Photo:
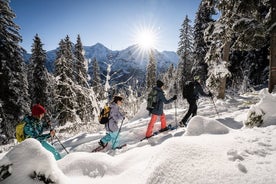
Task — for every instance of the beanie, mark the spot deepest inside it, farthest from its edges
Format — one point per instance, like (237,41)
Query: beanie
(38,109)
(159,83)
(117,98)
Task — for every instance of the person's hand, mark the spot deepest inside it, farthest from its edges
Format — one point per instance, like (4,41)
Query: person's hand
(52,133)
(174,97)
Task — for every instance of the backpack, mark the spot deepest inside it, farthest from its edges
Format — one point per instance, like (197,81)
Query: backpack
(152,100)
(188,89)
(19,131)
(104,115)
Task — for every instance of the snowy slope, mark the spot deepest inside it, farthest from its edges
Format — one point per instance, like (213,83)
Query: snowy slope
(211,150)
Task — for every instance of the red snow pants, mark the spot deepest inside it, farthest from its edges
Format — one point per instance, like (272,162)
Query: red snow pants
(152,122)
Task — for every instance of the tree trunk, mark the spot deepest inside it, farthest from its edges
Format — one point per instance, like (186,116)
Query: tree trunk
(272,64)
(225,57)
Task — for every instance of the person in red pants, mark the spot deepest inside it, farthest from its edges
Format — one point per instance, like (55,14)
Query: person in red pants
(158,109)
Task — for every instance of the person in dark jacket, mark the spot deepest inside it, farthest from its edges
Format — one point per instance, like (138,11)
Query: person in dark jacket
(192,100)
(34,128)
(112,126)
(158,109)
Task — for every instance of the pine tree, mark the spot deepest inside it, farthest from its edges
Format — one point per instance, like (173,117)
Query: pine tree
(96,79)
(13,80)
(39,84)
(185,50)
(168,78)
(151,71)
(84,104)
(218,36)
(240,26)
(65,99)
(272,73)
(68,54)
(203,18)
(80,66)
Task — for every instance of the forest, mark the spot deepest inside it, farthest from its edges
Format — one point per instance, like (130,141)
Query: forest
(230,46)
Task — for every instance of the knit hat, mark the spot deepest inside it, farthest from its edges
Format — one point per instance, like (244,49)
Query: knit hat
(117,98)
(159,83)
(38,109)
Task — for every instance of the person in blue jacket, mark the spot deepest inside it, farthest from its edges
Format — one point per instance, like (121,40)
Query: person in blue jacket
(158,109)
(111,127)
(34,128)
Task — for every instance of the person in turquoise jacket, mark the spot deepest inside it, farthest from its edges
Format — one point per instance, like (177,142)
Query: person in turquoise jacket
(34,128)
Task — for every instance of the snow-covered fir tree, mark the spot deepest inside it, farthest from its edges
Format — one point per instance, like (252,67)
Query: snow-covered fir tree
(185,52)
(272,29)
(96,79)
(151,71)
(84,95)
(168,78)
(14,95)
(80,64)
(70,60)
(218,37)
(251,39)
(237,28)
(39,75)
(66,97)
(203,18)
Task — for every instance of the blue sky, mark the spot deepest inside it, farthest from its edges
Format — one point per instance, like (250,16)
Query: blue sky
(114,23)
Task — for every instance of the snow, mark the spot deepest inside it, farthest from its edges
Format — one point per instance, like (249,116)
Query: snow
(212,149)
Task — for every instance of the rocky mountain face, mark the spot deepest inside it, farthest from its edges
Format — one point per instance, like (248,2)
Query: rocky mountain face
(128,63)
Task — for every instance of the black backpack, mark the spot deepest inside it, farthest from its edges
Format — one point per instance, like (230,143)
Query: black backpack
(188,89)
(152,100)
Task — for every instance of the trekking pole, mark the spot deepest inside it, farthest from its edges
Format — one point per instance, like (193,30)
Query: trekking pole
(175,106)
(61,144)
(118,132)
(212,99)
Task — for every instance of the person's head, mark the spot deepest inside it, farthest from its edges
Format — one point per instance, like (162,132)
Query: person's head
(118,100)
(38,111)
(159,83)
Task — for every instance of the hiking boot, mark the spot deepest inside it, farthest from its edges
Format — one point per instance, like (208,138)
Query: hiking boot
(181,124)
(101,143)
(149,136)
(163,129)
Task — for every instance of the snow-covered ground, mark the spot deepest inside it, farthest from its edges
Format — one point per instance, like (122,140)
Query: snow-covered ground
(212,149)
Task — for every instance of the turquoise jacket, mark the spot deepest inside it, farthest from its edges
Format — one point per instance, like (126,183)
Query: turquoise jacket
(34,128)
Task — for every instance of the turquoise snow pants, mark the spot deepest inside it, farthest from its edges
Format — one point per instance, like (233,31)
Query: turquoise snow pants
(111,136)
(50,148)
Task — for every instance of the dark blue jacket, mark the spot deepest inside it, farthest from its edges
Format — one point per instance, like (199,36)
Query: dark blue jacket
(161,100)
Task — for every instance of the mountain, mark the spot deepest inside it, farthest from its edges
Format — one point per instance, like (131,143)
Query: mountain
(130,62)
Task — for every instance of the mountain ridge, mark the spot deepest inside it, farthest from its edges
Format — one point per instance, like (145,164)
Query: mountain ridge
(132,61)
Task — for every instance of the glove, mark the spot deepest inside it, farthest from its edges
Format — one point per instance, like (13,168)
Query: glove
(174,97)
(52,133)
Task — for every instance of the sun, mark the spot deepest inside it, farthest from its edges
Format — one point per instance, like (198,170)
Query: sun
(146,37)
